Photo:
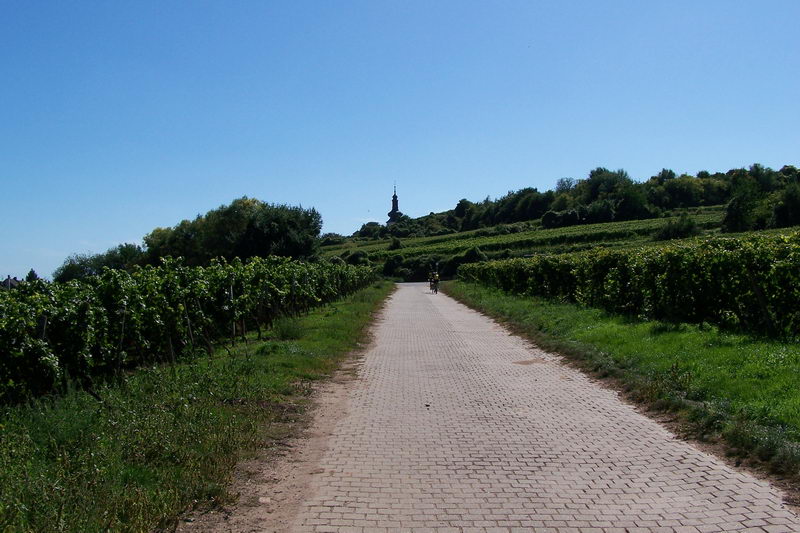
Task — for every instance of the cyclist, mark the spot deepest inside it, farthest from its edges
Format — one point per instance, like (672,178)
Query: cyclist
(435,283)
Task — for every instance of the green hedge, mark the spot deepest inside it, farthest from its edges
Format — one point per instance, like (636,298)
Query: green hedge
(53,335)
(750,283)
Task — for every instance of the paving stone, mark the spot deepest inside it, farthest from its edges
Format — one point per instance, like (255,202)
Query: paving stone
(456,425)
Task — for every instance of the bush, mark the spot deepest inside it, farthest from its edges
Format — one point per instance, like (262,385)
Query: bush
(683,227)
(551,219)
(473,255)
(357,258)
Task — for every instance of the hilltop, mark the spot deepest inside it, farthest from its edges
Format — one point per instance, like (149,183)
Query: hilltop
(606,209)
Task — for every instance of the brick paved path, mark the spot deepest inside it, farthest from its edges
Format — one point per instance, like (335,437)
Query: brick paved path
(454,425)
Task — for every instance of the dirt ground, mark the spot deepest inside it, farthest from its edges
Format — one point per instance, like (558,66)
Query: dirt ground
(272,486)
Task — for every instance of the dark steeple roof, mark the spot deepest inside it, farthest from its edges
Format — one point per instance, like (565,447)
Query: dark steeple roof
(395,213)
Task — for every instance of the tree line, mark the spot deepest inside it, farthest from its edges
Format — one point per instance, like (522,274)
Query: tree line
(757,197)
(245,228)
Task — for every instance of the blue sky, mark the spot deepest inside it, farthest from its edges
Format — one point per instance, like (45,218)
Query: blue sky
(118,117)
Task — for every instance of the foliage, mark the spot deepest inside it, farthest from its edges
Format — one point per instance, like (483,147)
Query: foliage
(391,265)
(751,283)
(329,239)
(81,266)
(603,196)
(473,255)
(166,438)
(357,257)
(508,240)
(787,210)
(684,227)
(370,230)
(495,239)
(739,214)
(245,228)
(287,328)
(54,334)
(762,198)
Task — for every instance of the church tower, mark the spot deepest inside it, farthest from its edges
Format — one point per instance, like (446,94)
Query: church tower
(395,213)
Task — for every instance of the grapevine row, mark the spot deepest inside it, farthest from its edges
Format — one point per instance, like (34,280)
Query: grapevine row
(52,334)
(749,283)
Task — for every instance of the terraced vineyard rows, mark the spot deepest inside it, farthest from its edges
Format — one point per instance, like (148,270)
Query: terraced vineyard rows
(534,240)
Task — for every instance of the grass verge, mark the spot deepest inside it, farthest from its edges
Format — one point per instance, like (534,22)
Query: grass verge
(167,438)
(738,387)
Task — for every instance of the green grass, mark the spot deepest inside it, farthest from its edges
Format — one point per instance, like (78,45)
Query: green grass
(741,388)
(167,438)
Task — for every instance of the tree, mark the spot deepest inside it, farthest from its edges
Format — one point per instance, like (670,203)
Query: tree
(715,191)
(76,266)
(245,228)
(738,214)
(32,275)
(631,203)
(565,185)
(787,210)
(600,211)
(767,179)
(685,191)
(664,176)
(370,230)
(461,208)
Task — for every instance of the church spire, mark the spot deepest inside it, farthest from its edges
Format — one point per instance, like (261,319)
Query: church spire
(395,213)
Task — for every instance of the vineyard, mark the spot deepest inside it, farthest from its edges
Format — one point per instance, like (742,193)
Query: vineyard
(53,335)
(748,283)
(527,240)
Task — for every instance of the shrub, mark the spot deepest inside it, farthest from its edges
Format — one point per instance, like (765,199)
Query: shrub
(551,219)
(357,257)
(683,227)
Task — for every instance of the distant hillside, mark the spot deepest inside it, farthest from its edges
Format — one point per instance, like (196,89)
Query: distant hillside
(604,196)
(607,209)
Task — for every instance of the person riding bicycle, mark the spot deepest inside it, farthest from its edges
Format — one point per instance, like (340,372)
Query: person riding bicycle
(435,283)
